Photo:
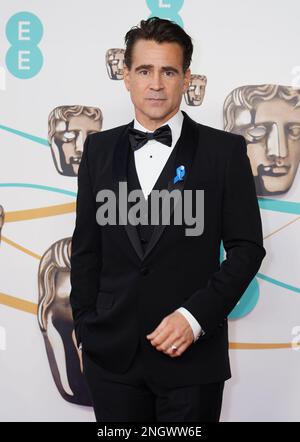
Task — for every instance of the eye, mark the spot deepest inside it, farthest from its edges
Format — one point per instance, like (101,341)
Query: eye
(257,132)
(294,131)
(143,71)
(171,73)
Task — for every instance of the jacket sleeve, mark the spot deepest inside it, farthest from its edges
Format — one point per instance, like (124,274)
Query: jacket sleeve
(243,242)
(85,248)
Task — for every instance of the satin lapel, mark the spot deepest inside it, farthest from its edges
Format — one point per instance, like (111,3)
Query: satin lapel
(120,161)
(188,142)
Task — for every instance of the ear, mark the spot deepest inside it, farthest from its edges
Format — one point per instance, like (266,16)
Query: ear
(186,81)
(126,76)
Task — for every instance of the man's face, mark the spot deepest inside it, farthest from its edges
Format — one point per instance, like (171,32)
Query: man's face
(70,140)
(273,145)
(156,81)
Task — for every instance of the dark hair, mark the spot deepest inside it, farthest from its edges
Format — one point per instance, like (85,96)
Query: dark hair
(159,30)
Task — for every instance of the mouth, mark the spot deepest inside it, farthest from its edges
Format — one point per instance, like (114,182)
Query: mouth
(273,170)
(155,102)
(156,99)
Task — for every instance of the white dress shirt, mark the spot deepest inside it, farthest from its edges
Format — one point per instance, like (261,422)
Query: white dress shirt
(150,160)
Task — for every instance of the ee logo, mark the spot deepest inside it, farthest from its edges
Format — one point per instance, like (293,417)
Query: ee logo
(24,58)
(167,9)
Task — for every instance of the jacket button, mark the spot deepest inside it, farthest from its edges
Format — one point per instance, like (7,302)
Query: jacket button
(144,271)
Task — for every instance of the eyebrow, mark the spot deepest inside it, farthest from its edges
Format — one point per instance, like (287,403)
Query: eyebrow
(150,66)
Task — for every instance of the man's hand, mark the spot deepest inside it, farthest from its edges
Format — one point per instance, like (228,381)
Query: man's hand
(174,329)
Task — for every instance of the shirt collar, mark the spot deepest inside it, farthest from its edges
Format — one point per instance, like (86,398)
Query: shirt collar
(174,122)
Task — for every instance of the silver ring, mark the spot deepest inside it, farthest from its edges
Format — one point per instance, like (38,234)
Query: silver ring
(173,347)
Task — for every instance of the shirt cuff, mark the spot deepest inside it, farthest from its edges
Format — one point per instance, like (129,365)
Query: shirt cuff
(196,327)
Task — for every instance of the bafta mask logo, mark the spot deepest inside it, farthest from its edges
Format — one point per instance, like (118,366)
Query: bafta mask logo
(56,323)
(1,219)
(268,116)
(68,127)
(196,90)
(114,59)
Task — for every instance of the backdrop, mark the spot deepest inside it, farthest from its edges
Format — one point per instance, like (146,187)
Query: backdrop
(61,70)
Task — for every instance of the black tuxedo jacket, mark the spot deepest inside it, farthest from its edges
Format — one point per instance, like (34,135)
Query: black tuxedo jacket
(120,294)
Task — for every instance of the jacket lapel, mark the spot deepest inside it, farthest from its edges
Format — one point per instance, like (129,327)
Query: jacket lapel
(120,160)
(187,143)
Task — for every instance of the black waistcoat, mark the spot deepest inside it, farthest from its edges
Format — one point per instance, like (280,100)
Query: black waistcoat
(168,172)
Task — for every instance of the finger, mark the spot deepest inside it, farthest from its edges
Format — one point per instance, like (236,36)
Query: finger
(161,337)
(180,350)
(181,343)
(166,346)
(171,339)
(154,333)
(158,329)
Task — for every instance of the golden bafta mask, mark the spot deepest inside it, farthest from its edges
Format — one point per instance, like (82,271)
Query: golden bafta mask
(56,323)
(195,93)
(114,60)
(268,116)
(1,219)
(68,127)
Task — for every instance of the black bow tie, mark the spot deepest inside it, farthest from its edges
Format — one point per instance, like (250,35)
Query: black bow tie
(138,138)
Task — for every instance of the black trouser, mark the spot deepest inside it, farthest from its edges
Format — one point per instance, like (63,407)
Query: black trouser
(133,397)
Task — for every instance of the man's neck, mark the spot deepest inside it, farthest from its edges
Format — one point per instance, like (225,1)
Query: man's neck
(150,124)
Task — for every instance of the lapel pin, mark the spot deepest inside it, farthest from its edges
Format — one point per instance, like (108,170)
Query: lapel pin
(180,172)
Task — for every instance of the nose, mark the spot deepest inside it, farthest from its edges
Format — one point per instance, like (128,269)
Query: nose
(276,142)
(156,81)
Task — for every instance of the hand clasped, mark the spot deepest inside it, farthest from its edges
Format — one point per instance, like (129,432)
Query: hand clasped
(173,335)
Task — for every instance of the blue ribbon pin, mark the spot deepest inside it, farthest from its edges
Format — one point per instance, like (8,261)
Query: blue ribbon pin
(180,172)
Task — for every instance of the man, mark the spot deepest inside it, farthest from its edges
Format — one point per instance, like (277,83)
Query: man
(150,303)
